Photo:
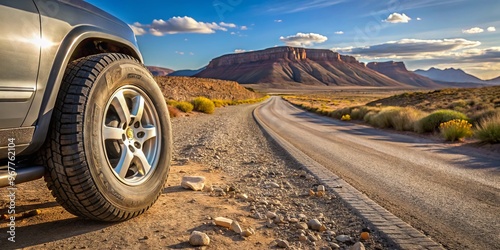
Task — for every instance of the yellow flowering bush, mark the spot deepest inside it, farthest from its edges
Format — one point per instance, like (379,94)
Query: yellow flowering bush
(455,129)
(346,117)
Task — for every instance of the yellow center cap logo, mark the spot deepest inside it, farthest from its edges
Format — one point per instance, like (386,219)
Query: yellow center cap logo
(130,133)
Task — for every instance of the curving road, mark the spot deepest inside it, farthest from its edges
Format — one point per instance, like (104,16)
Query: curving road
(450,192)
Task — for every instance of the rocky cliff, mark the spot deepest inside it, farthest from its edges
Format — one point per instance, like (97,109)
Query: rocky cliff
(398,72)
(295,65)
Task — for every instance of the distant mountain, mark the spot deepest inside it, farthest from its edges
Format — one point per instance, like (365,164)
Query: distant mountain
(398,72)
(186,72)
(494,80)
(449,75)
(159,71)
(291,65)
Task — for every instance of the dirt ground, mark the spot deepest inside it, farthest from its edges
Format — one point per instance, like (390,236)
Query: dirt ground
(168,224)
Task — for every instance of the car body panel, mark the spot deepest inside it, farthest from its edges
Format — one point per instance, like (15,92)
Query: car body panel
(19,59)
(63,26)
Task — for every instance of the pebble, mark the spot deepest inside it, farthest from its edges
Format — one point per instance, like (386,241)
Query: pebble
(302,216)
(343,238)
(357,246)
(247,233)
(283,244)
(302,225)
(320,188)
(242,196)
(219,192)
(334,245)
(273,185)
(199,239)
(195,183)
(314,224)
(271,215)
(223,222)
(235,226)
(302,237)
(293,220)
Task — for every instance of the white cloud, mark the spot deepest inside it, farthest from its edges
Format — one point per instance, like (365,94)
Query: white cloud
(228,25)
(398,18)
(239,50)
(419,19)
(233,33)
(191,53)
(410,48)
(244,27)
(179,53)
(278,21)
(175,25)
(300,5)
(474,30)
(491,29)
(138,31)
(302,39)
(339,32)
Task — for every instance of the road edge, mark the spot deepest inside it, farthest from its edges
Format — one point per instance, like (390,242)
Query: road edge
(398,232)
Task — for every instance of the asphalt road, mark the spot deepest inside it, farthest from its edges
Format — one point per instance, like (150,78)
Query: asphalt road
(449,191)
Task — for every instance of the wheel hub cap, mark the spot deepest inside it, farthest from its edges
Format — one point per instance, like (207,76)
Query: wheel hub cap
(130,133)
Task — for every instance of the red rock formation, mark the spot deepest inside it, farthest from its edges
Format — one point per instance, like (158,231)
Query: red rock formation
(295,65)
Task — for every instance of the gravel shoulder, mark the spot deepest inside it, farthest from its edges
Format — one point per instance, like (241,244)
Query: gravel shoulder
(232,153)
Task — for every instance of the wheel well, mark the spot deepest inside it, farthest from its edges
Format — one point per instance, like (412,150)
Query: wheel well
(92,46)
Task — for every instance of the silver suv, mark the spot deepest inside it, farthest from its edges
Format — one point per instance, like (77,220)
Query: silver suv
(78,107)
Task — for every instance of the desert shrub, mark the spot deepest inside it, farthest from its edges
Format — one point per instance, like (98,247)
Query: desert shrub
(477,116)
(220,103)
(346,117)
(203,104)
(172,103)
(399,118)
(173,111)
(455,129)
(355,114)
(431,122)
(185,107)
(341,112)
(369,116)
(488,129)
(360,112)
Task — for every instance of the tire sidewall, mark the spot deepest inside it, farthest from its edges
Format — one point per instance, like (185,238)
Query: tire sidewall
(128,198)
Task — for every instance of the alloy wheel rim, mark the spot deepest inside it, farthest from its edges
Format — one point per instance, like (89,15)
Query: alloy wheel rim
(131,135)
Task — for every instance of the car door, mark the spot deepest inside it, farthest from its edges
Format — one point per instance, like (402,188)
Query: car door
(20,45)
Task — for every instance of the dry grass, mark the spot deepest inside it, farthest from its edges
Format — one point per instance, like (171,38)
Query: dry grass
(409,111)
(173,111)
(204,105)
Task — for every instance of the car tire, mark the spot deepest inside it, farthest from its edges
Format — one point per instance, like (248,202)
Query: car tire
(109,149)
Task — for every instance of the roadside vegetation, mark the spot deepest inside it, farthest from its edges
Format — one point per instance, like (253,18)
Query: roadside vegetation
(455,114)
(205,105)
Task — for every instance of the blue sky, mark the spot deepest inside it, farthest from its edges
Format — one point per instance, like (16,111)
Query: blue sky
(422,33)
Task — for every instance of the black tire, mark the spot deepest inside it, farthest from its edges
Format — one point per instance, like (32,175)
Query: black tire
(84,149)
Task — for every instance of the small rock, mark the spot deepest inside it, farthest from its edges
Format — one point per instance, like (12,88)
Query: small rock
(279,219)
(195,183)
(365,235)
(235,226)
(242,196)
(293,220)
(219,192)
(302,237)
(312,238)
(343,238)
(274,185)
(283,244)
(208,189)
(302,226)
(334,245)
(331,233)
(223,222)
(320,188)
(302,216)
(357,246)
(271,215)
(247,233)
(322,228)
(199,239)
(314,224)
(311,192)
